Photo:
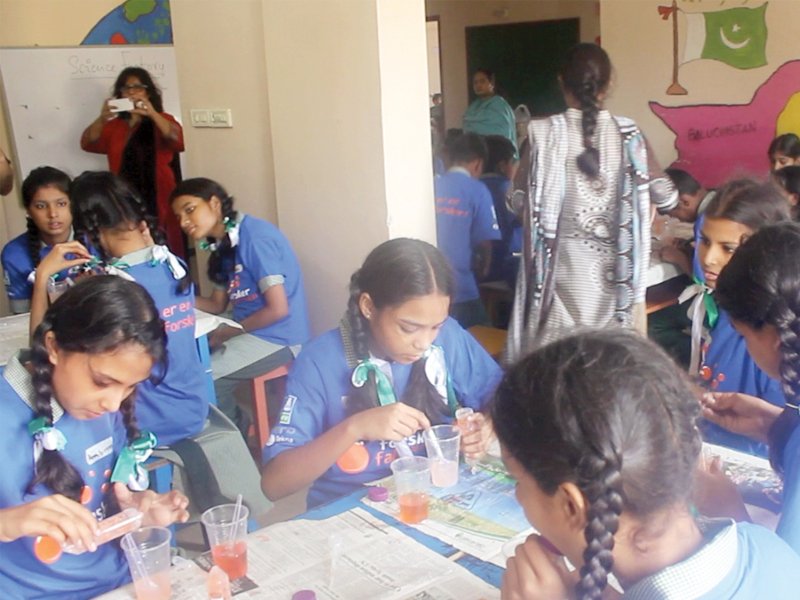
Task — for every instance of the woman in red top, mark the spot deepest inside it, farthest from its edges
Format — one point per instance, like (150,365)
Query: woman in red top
(142,145)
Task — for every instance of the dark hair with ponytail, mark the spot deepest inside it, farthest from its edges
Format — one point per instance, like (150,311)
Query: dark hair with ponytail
(221,261)
(99,314)
(102,200)
(761,286)
(750,203)
(585,73)
(609,412)
(787,144)
(38,178)
(393,273)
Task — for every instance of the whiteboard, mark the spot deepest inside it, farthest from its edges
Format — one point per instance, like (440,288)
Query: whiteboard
(52,94)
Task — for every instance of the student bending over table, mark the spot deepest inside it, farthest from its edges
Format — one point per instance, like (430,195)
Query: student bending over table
(599,432)
(395,365)
(69,439)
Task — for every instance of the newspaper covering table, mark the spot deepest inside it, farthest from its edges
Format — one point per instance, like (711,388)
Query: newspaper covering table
(479,515)
(351,556)
(13,336)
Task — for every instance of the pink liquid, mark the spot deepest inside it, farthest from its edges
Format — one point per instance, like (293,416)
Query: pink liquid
(155,587)
(413,507)
(444,473)
(231,557)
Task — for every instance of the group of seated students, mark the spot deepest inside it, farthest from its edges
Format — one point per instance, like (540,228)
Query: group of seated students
(601,430)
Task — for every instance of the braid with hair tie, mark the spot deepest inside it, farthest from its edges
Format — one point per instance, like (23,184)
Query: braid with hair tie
(224,252)
(589,159)
(781,430)
(52,470)
(128,410)
(366,396)
(34,242)
(601,481)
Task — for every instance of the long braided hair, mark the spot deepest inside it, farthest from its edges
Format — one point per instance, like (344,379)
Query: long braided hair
(102,200)
(393,273)
(608,411)
(760,286)
(98,315)
(38,178)
(586,73)
(223,256)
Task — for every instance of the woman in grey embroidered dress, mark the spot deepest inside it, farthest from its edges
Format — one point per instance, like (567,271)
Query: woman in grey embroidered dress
(583,193)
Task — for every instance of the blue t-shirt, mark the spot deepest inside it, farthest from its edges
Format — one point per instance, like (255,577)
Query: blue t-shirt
(789,525)
(510,228)
(765,567)
(176,406)
(17,266)
(92,448)
(264,258)
(319,384)
(464,218)
(727,367)
(738,561)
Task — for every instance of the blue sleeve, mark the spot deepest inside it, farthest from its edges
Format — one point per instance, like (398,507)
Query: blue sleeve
(17,266)
(474,373)
(484,221)
(789,524)
(262,255)
(303,416)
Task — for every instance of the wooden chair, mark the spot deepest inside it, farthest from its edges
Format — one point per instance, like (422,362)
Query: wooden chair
(260,402)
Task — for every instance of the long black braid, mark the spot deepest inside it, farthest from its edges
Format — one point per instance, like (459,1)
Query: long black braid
(609,412)
(97,315)
(585,73)
(101,200)
(760,287)
(37,179)
(223,256)
(393,273)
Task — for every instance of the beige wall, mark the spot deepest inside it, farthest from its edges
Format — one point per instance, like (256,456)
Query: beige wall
(642,58)
(456,15)
(350,134)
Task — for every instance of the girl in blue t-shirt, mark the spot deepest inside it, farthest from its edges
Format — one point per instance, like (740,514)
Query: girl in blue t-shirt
(739,209)
(45,197)
(396,365)
(760,289)
(113,217)
(255,270)
(598,429)
(74,412)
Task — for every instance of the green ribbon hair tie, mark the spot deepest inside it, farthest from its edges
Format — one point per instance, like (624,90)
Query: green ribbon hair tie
(45,436)
(361,374)
(712,310)
(129,468)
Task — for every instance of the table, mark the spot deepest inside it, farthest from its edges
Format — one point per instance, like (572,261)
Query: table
(354,549)
(14,336)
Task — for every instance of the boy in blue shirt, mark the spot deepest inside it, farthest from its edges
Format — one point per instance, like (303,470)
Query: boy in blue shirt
(466,225)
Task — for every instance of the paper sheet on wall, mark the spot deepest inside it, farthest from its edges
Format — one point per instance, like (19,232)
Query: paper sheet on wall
(479,515)
(370,560)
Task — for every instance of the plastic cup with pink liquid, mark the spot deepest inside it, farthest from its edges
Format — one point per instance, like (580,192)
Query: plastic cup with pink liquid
(442,443)
(148,554)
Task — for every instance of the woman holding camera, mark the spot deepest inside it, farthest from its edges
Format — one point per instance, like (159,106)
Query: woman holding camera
(142,143)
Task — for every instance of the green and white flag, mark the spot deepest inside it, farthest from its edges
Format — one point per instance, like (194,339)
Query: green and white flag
(736,36)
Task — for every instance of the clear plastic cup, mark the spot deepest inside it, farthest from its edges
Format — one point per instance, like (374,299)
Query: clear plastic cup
(148,554)
(226,535)
(442,443)
(412,479)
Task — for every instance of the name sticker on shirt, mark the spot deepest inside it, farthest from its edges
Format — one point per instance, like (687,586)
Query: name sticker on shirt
(99,450)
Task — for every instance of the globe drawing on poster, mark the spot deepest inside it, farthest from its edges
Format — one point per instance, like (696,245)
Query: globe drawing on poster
(134,22)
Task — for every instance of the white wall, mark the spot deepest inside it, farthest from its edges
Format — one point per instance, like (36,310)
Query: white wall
(350,134)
